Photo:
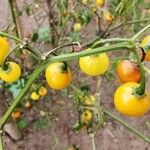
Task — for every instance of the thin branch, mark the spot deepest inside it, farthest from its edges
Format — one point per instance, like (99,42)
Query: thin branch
(146,139)
(128,22)
(66,21)
(141,32)
(93,141)
(60,47)
(1,140)
(14,12)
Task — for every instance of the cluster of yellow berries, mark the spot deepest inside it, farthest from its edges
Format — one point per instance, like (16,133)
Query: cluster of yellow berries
(35,96)
(42,91)
(86,115)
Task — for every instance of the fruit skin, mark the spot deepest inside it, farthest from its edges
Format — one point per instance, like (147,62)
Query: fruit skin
(42,91)
(145,42)
(34,96)
(88,101)
(77,27)
(57,77)
(12,74)
(86,117)
(94,65)
(108,16)
(4,48)
(128,71)
(16,114)
(129,104)
(100,3)
(28,105)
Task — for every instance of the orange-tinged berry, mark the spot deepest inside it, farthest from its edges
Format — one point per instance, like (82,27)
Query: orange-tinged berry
(100,3)
(16,114)
(108,16)
(28,105)
(42,91)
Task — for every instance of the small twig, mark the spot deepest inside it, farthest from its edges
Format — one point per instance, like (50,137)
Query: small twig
(93,141)
(45,55)
(66,21)
(1,140)
(53,130)
(146,69)
(14,12)
(11,37)
(103,41)
(141,32)
(95,12)
(128,22)
(143,52)
(105,33)
(127,125)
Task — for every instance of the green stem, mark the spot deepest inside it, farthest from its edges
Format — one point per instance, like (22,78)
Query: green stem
(1,140)
(11,37)
(114,28)
(13,12)
(141,89)
(76,55)
(66,21)
(45,63)
(59,47)
(102,41)
(33,51)
(90,42)
(146,139)
(128,22)
(116,118)
(34,75)
(141,32)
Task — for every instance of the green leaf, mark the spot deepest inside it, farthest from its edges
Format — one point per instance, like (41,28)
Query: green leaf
(75,36)
(115,64)
(35,37)
(41,123)
(85,17)
(22,123)
(65,92)
(109,75)
(132,57)
(44,34)
(77,126)
(85,87)
(16,87)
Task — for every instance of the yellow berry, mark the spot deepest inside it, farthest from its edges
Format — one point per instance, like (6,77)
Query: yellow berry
(108,16)
(89,100)
(100,3)
(86,117)
(28,105)
(35,96)
(77,27)
(42,91)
